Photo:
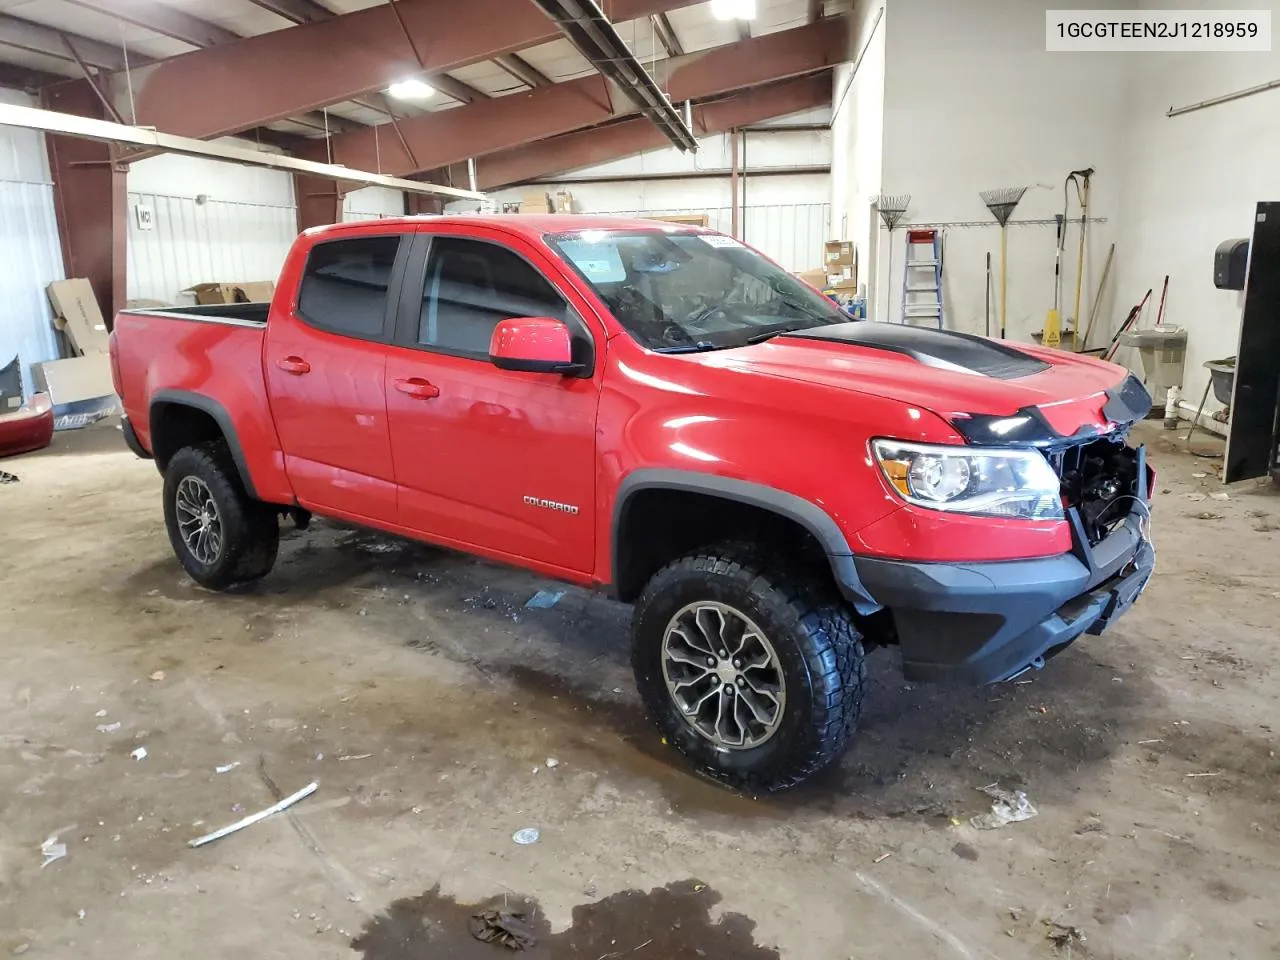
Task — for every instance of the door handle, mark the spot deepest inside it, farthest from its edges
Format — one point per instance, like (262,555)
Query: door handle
(295,365)
(418,388)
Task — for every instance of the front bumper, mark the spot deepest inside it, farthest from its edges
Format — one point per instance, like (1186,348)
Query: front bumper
(986,622)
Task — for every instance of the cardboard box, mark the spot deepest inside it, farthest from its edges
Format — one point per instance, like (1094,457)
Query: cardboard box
(77,315)
(258,291)
(535,202)
(815,278)
(78,378)
(838,254)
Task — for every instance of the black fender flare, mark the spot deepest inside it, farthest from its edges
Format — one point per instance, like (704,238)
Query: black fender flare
(198,401)
(803,512)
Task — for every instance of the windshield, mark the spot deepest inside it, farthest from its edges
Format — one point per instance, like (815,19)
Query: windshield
(678,292)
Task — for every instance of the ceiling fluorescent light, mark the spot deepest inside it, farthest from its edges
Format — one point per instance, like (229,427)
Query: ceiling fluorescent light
(412,89)
(733,9)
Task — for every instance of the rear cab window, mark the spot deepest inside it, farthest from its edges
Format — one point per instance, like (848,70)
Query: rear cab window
(345,285)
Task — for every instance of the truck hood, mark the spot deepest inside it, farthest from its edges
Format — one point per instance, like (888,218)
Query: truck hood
(960,377)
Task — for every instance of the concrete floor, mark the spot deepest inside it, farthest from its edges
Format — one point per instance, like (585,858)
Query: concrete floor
(424,698)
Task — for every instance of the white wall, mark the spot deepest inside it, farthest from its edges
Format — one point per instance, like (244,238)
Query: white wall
(786,215)
(973,102)
(212,222)
(30,255)
(1193,181)
(372,203)
(858,135)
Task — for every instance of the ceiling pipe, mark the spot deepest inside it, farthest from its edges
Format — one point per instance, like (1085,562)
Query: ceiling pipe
(590,31)
(86,128)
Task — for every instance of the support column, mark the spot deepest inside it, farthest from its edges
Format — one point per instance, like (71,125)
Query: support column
(91,197)
(319,201)
(419,204)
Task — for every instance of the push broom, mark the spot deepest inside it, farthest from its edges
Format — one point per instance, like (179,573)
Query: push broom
(1002,203)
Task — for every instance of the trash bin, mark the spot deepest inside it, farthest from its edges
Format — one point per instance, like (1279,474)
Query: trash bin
(1163,351)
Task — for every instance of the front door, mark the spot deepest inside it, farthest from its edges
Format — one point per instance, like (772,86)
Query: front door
(496,461)
(325,363)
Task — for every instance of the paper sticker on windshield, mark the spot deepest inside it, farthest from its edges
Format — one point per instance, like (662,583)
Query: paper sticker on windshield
(716,240)
(599,262)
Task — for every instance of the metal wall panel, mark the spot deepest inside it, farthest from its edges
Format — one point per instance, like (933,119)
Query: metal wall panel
(791,234)
(191,242)
(30,254)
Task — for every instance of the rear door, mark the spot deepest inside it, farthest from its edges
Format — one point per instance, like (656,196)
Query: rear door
(499,462)
(325,360)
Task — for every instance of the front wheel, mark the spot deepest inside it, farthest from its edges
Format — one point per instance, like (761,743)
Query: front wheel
(221,535)
(753,679)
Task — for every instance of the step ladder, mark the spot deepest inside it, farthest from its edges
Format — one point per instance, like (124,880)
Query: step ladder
(922,278)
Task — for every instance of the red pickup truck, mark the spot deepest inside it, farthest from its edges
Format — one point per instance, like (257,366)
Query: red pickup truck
(664,414)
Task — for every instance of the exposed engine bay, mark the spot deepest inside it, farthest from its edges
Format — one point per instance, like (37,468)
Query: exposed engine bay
(1100,479)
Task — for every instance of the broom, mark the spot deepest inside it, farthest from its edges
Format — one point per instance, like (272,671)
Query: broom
(892,208)
(1001,203)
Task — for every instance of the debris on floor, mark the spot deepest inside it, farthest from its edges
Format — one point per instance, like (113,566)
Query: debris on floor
(1220,495)
(8,477)
(1009,807)
(139,754)
(526,836)
(1207,515)
(109,727)
(52,850)
(552,763)
(250,820)
(544,599)
(1063,937)
(158,675)
(510,930)
(227,767)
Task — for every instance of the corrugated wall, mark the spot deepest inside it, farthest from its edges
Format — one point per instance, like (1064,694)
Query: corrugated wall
(372,203)
(30,255)
(791,234)
(210,222)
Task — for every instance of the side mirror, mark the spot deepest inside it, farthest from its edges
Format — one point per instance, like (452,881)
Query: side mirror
(533,345)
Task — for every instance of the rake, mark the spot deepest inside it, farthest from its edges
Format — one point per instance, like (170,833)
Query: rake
(892,208)
(1002,203)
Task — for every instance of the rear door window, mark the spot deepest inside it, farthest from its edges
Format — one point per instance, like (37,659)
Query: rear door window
(344,287)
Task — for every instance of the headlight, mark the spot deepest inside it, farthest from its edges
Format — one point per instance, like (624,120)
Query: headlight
(985,481)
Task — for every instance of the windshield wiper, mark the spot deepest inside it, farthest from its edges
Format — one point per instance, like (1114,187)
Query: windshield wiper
(700,347)
(769,335)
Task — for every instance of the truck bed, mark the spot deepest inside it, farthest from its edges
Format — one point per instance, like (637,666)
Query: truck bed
(254,314)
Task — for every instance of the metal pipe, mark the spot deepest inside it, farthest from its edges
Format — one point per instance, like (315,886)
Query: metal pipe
(471,172)
(743,236)
(733,180)
(1225,98)
(89,79)
(104,131)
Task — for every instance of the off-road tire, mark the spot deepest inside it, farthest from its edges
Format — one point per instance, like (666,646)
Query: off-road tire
(250,528)
(819,648)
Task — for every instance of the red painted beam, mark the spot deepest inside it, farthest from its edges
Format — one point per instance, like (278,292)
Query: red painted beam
(91,200)
(625,138)
(259,79)
(438,139)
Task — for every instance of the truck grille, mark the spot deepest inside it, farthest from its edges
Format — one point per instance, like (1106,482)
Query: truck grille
(1099,479)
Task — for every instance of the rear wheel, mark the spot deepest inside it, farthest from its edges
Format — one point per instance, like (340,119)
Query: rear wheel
(750,675)
(220,534)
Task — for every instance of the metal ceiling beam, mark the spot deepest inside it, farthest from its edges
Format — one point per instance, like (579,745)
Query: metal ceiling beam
(37,38)
(26,78)
(451,87)
(162,18)
(625,138)
(522,70)
(667,36)
(230,87)
(596,38)
(103,131)
(447,136)
(297,11)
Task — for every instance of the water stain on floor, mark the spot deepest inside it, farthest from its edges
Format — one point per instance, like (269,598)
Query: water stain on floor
(670,921)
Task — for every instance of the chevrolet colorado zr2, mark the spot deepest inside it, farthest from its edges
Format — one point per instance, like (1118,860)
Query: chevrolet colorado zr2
(665,415)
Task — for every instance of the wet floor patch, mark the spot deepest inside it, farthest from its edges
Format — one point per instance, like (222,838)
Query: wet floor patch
(666,922)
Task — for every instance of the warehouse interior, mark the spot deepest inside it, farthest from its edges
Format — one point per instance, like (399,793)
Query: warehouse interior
(471,730)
